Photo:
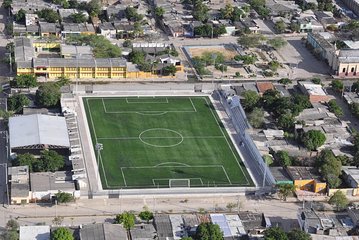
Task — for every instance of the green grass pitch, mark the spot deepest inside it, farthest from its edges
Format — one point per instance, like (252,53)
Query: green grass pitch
(151,142)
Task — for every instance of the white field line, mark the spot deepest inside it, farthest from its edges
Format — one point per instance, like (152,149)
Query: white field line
(123,176)
(129,102)
(225,172)
(193,105)
(229,145)
(151,111)
(193,166)
(103,170)
(136,138)
(104,105)
(167,179)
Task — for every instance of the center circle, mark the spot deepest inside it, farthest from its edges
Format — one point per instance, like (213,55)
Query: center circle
(161,137)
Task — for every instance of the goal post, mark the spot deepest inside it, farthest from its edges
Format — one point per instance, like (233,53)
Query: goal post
(179,183)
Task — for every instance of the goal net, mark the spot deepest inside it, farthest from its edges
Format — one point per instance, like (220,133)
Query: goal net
(179,183)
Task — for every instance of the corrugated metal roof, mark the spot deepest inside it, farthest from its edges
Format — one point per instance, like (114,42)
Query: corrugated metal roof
(38,129)
(220,219)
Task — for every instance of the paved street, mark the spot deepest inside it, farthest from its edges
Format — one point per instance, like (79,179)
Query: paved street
(98,210)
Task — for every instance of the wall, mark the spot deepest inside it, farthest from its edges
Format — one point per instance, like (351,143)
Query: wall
(346,191)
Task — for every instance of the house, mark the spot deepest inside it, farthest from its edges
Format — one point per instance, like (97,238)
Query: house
(143,232)
(315,92)
(77,29)
(280,175)
(34,232)
(246,24)
(305,25)
(282,8)
(351,177)
(102,231)
(34,133)
(230,29)
(352,5)
(354,215)
(320,42)
(49,29)
(314,222)
(348,63)
(163,226)
(115,12)
(325,18)
(31,19)
(264,86)
(124,29)
(19,184)
(44,185)
(306,179)
(178,229)
(107,30)
(254,223)
(71,51)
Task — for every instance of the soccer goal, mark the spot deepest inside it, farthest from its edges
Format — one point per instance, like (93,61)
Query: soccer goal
(179,183)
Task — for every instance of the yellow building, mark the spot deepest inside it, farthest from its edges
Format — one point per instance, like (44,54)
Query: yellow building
(75,62)
(306,179)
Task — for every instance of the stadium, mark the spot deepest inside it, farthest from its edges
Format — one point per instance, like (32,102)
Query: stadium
(161,142)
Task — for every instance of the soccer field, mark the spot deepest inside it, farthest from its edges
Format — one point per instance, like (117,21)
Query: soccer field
(151,142)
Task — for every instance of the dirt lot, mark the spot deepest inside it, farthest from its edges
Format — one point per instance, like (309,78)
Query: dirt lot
(228,51)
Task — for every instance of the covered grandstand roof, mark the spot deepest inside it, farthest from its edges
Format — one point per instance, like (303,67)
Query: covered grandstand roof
(37,129)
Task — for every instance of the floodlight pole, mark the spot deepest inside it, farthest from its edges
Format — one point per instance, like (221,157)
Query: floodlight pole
(99,147)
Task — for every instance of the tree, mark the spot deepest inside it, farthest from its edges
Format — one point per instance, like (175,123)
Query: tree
(355,87)
(17,102)
(337,85)
(132,15)
(256,118)
(10,235)
(313,139)
(48,95)
(78,18)
(62,233)
(297,234)
(7,3)
(137,57)
(230,206)
(295,27)
(146,215)
(275,233)
(208,231)
(63,197)
(102,47)
(49,15)
(169,70)
(286,121)
(316,80)
(25,81)
(159,11)
(250,40)
(127,219)
(273,65)
(283,158)
(51,161)
(200,11)
(280,26)
(25,159)
(284,190)
(277,42)
(260,7)
(285,81)
(335,108)
(339,200)
(330,167)
(127,43)
(250,101)
(20,16)
(12,225)
(247,59)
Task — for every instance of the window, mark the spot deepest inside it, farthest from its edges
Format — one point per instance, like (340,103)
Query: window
(344,69)
(352,70)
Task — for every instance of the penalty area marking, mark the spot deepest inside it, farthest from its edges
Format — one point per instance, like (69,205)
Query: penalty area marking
(129,102)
